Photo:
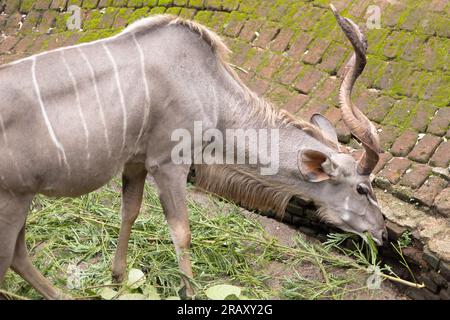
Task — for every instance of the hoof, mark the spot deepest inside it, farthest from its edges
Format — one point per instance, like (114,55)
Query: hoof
(118,278)
(186,293)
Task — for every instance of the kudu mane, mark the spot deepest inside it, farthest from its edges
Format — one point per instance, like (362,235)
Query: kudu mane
(233,182)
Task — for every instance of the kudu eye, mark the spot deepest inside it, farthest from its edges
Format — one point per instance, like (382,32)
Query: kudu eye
(362,189)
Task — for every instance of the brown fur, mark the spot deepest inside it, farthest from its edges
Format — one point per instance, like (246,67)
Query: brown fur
(249,190)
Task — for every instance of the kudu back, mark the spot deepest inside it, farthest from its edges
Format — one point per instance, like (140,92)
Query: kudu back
(74,117)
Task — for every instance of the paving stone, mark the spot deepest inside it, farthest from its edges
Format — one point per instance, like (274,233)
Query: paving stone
(404,143)
(431,259)
(429,283)
(441,157)
(425,148)
(444,269)
(260,86)
(445,294)
(440,122)
(429,190)
(395,169)
(233,28)
(384,159)
(280,43)
(42,4)
(424,113)
(307,82)
(274,64)
(379,108)
(333,59)
(8,43)
(266,35)
(388,135)
(416,176)
(442,202)
(394,230)
(438,279)
(297,102)
(58,4)
(290,73)
(313,106)
(298,48)
(249,30)
(328,87)
(315,51)
(47,21)
(12,6)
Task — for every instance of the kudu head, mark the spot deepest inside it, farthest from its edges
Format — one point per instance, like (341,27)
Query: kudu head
(342,185)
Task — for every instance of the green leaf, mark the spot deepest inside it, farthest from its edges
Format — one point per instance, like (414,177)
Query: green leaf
(151,293)
(173,298)
(222,291)
(136,278)
(133,296)
(108,293)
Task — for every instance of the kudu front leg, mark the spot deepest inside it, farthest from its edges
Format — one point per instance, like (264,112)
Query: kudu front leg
(171,181)
(133,180)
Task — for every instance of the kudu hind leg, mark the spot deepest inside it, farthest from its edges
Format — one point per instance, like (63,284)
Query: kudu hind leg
(171,182)
(22,265)
(13,212)
(133,180)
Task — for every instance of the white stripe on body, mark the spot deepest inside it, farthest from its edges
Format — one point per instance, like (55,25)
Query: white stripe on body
(147,92)
(122,100)
(97,96)
(78,102)
(61,152)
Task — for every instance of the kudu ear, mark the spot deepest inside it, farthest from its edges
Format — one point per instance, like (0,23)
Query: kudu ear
(315,166)
(326,126)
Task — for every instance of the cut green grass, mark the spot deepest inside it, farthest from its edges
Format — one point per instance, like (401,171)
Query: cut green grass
(228,247)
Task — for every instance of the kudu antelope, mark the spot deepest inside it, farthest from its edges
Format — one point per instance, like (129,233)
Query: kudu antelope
(78,115)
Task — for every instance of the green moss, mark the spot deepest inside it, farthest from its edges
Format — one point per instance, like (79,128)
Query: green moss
(218,21)
(135,3)
(401,72)
(97,34)
(90,4)
(158,10)
(249,6)
(138,14)
(196,3)
(164,3)
(26,5)
(151,3)
(376,39)
(434,87)
(93,20)
(61,22)
(203,16)
(180,3)
(230,4)
(213,4)
(187,13)
(374,70)
(119,3)
(74,2)
(173,10)
(278,9)
(401,114)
